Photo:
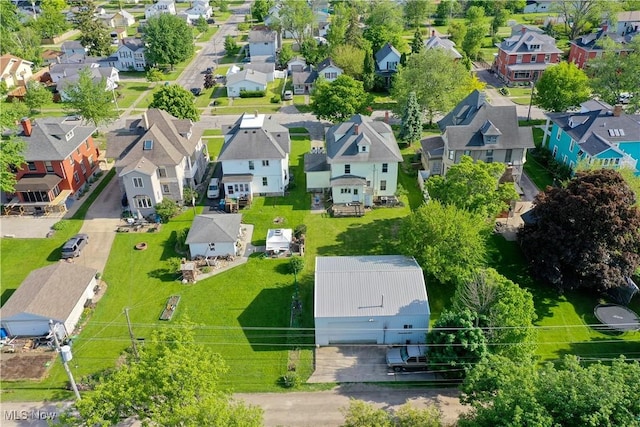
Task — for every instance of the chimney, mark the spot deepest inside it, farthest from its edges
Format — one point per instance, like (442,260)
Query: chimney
(433,33)
(355,129)
(386,117)
(617,110)
(605,27)
(256,113)
(523,29)
(26,126)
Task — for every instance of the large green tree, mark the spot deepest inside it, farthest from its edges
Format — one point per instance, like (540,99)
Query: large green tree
(364,414)
(581,15)
(573,394)
(168,40)
(474,185)
(411,126)
(50,22)
(177,101)
(350,59)
(384,25)
(455,344)
(447,242)
(173,382)
(476,30)
(586,235)
(416,12)
(561,87)
(10,24)
(91,100)
(438,81)
(37,95)
(95,38)
(297,18)
(11,147)
(260,9)
(340,99)
(337,31)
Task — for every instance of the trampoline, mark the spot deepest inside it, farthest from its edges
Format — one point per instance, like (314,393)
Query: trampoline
(617,317)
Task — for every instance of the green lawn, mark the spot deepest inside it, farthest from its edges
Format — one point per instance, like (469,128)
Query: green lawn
(298,130)
(262,109)
(129,92)
(521,100)
(214,144)
(540,176)
(212,132)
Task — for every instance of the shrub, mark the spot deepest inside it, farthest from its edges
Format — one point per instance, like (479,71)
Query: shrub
(167,209)
(300,230)
(244,26)
(61,225)
(296,264)
(189,194)
(275,99)
(290,380)
(504,91)
(251,93)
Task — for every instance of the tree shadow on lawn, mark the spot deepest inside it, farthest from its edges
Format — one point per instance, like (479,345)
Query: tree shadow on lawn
(269,309)
(6,294)
(379,237)
(604,348)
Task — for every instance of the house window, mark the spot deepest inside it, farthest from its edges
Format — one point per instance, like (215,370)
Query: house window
(147,144)
(467,152)
(265,163)
(86,144)
(347,169)
(355,191)
(162,172)
(565,158)
(76,177)
(137,182)
(265,182)
(83,168)
(408,326)
(558,132)
(90,160)
(165,188)
(229,189)
(392,65)
(507,155)
(142,201)
(547,58)
(212,246)
(571,164)
(385,167)
(78,151)
(31,166)
(49,166)
(252,166)
(330,75)
(452,154)
(71,161)
(522,75)
(363,148)
(345,191)
(555,151)
(489,154)
(518,59)
(571,145)
(383,185)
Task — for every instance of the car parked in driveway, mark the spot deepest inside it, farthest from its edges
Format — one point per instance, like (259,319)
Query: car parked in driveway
(196,91)
(288,95)
(74,246)
(407,357)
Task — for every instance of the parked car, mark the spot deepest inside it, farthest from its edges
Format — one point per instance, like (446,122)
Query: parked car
(625,97)
(209,70)
(213,191)
(196,91)
(288,95)
(74,246)
(407,357)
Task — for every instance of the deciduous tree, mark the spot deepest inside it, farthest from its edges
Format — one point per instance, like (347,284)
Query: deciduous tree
(579,15)
(90,99)
(411,126)
(297,18)
(174,382)
(11,147)
(474,186)
(336,34)
(95,38)
(384,25)
(260,9)
(455,344)
(50,22)
(177,101)
(168,40)
(37,95)
(363,414)
(438,81)
(350,59)
(416,12)
(561,87)
(447,242)
(201,24)
(338,100)
(586,235)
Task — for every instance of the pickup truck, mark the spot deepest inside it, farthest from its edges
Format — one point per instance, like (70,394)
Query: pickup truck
(407,357)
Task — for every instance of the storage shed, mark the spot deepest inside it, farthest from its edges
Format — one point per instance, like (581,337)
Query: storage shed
(279,240)
(57,292)
(370,299)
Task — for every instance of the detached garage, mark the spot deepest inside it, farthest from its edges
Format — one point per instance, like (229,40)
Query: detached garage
(370,299)
(57,292)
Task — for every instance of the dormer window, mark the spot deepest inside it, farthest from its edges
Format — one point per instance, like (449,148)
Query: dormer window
(147,144)
(69,135)
(490,139)
(534,47)
(363,148)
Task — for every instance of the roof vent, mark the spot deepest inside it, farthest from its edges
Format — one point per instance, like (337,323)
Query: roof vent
(246,131)
(278,232)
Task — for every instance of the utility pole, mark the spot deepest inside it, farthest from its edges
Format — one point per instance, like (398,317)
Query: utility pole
(133,340)
(533,88)
(65,357)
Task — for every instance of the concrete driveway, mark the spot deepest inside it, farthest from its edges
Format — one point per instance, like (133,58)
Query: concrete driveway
(358,364)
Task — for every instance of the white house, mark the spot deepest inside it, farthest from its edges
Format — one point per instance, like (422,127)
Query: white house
(214,235)
(248,80)
(360,163)
(263,42)
(255,157)
(435,42)
(15,71)
(627,22)
(296,64)
(279,239)
(157,156)
(370,300)
(533,6)
(266,68)
(328,70)
(71,76)
(121,18)
(56,292)
(162,6)
(199,8)
(387,60)
(130,55)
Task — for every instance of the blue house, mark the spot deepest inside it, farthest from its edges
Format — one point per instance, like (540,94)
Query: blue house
(599,134)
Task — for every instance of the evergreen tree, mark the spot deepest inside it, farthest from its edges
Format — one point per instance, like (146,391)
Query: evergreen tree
(417,44)
(411,127)
(368,71)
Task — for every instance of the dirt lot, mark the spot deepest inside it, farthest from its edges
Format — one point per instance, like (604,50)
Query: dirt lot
(25,366)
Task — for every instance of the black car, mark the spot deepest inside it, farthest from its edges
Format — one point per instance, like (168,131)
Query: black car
(196,91)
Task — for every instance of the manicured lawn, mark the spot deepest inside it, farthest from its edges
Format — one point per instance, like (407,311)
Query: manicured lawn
(212,132)
(521,100)
(520,92)
(298,130)
(540,176)
(129,92)
(264,109)
(214,144)
(206,36)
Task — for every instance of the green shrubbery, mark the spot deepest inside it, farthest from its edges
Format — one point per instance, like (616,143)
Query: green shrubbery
(251,93)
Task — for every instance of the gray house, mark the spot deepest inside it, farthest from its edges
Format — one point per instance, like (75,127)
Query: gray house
(482,131)
(214,235)
(157,157)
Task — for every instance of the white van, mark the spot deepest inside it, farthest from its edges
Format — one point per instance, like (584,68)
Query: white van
(213,191)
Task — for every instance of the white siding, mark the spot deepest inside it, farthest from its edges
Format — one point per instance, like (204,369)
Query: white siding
(274,173)
(234,89)
(372,172)
(318,180)
(71,321)
(221,249)
(382,330)
(262,49)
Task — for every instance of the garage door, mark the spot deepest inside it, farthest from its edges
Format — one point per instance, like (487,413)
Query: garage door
(351,333)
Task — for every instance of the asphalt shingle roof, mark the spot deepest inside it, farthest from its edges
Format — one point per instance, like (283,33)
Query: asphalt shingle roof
(270,141)
(519,43)
(214,228)
(48,140)
(247,75)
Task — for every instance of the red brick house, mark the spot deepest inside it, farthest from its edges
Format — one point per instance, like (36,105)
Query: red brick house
(60,158)
(524,57)
(589,46)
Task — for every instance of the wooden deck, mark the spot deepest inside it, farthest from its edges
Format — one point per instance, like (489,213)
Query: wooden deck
(346,209)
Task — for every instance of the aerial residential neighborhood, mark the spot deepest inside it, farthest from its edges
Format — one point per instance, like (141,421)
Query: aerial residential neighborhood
(313,212)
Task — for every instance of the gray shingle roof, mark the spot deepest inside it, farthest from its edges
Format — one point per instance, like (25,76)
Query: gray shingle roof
(248,75)
(354,286)
(261,35)
(435,42)
(48,138)
(433,146)
(51,292)
(327,63)
(384,51)
(214,228)
(342,142)
(263,67)
(519,43)
(271,141)
(133,43)
(304,77)
(463,125)
(315,162)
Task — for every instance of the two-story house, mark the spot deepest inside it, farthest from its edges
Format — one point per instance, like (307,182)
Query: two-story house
(199,8)
(387,60)
(60,157)
(263,41)
(157,156)
(627,22)
(71,75)
(129,56)
(589,46)
(360,163)
(435,42)
(255,157)
(162,6)
(482,131)
(524,57)
(118,19)
(15,71)
(601,136)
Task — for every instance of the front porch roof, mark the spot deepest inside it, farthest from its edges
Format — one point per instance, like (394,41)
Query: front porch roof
(347,180)
(238,177)
(38,182)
